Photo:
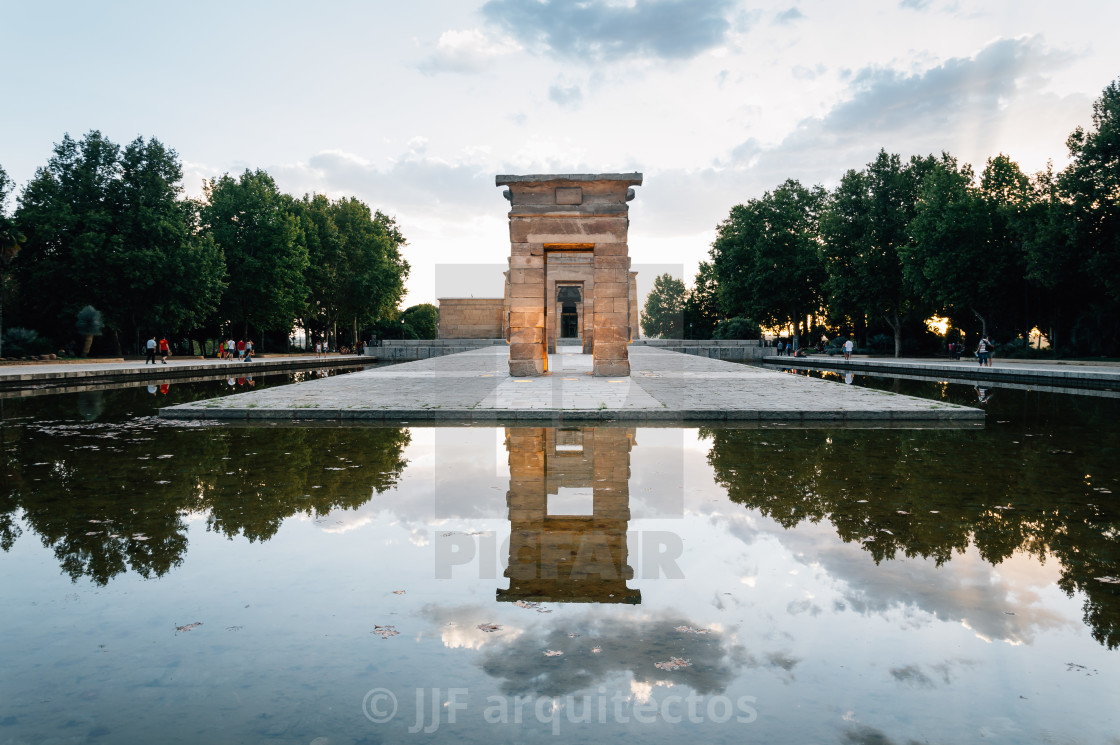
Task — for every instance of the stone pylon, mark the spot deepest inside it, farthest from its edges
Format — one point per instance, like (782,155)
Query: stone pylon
(581,217)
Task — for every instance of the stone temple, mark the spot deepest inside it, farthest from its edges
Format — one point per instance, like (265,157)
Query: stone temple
(569,281)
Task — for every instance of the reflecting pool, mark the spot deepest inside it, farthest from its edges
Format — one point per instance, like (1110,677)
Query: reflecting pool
(342,584)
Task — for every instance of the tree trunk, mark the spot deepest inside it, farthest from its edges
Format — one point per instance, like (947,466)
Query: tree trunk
(895,323)
(983,324)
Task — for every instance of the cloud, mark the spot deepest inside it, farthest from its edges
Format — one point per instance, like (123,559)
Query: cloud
(562,96)
(466,51)
(972,106)
(789,16)
(596,30)
(914,4)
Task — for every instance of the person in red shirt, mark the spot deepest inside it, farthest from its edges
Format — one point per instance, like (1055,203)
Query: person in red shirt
(241,349)
(164,349)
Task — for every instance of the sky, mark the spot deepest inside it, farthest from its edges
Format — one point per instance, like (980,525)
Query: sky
(414,107)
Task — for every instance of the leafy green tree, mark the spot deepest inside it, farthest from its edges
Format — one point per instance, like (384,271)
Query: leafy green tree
(11,241)
(663,314)
(960,256)
(766,257)
(375,273)
(173,274)
(423,319)
(862,230)
(72,256)
(1091,184)
(257,228)
(107,227)
(356,272)
(701,307)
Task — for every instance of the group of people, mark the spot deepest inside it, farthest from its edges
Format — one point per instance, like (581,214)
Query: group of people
(242,350)
(983,353)
(151,347)
(785,349)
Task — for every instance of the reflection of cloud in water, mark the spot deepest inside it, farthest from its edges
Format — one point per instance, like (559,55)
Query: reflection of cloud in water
(631,647)
(942,672)
(458,626)
(996,602)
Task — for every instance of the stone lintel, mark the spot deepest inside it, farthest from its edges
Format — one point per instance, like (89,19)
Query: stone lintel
(630,179)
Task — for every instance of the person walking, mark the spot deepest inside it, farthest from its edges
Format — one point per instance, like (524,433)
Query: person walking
(151,346)
(164,350)
(848,347)
(231,347)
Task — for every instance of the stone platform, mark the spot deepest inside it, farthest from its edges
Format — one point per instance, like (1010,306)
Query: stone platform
(663,386)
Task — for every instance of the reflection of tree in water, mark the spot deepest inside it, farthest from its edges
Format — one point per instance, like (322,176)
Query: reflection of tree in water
(108,497)
(627,647)
(932,493)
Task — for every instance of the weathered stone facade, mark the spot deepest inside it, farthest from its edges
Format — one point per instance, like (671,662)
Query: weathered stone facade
(471,318)
(568,239)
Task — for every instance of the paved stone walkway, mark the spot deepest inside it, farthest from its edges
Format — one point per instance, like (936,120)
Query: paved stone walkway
(663,386)
(93,371)
(1072,374)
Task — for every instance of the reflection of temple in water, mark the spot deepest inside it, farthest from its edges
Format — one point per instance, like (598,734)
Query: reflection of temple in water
(569,507)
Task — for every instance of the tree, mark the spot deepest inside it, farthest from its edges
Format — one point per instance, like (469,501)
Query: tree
(766,257)
(862,229)
(663,314)
(960,258)
(701,307)
(108,227)
(11,241)
(423,319)
(71,258)
(375,270)
(266,256)
(174,275)
(356,271)
(1091,183)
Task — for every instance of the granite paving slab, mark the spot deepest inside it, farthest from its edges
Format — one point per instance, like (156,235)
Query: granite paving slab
(663,386)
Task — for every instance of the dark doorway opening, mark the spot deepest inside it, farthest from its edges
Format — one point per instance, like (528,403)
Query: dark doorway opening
(569,322)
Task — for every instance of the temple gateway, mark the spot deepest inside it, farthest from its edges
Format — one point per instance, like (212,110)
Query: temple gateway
(569,281)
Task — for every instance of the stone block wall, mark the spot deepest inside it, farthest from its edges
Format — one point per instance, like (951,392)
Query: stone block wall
(471,318)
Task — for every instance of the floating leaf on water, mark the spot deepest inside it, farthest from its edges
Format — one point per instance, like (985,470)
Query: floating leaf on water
(531,605)
(140,537)
(673,663)
(573,635)
(690,630)
(398,592)
(1109,580)
(384,631)
(489,627)
(861,501)
(596,650)
(552,653)
(189,626)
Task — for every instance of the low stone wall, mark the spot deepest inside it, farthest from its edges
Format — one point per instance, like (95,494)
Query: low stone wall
(422,349)
(733,350)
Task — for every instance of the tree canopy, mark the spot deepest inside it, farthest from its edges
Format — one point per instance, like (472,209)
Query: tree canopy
(663,314)
(109,227)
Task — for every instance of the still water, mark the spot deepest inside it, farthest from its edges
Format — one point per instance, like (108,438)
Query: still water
(343,585)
